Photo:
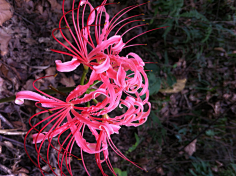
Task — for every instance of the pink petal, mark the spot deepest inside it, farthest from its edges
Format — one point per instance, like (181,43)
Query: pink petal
(67,66)
(105,44)
(138,60)
(121,74)
(119,46)
(29,95)
(92,15)
(38,137)
(78,91)
(102,67)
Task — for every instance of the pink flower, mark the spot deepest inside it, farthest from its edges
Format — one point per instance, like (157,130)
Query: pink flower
(121,80)
(68,116)
(104,46)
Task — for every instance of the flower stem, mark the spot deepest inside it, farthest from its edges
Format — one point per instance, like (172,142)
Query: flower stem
(85,71)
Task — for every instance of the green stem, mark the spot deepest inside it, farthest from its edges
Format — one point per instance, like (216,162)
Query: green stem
(85,71)
(95,101)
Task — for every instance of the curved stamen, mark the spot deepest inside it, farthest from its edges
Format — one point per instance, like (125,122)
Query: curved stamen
(144,33)
(77,28)
(81,42)
(125,23)
(134,45)
(129,9)
(97,36)
(75,54)
(59,101)
(133,28)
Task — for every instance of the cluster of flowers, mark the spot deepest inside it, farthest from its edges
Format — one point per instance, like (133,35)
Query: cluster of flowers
(121,80)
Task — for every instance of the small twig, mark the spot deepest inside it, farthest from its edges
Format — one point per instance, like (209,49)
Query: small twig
(24,18)
(5,169)
(6,121)
(17,143)
(10,132)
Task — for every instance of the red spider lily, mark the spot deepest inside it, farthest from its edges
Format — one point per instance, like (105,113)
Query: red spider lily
(122,81)
(83,38)
(61,120)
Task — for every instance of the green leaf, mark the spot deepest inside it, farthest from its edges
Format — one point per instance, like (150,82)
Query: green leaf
(153,67)
(154,83)
(191,171)
(194,14)
(155,118)
(119,172)
(210,133)
(136,143)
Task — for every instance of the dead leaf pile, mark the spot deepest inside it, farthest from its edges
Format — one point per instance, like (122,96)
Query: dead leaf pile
(4,39)
(5,12)
(55,5)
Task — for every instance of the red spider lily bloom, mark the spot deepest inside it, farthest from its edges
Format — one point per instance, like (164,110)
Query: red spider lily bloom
(61,121)
(121,80)
(61,112)
(83,38)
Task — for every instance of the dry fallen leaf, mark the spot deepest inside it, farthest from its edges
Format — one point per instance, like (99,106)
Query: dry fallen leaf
(19,125)
(5,12)
(219,49)
(217,108)
(4,39)
(8,144)
(68,82)
(160,171)
(1,85)
(191,148)
(49,72)
(4,70)
(55,5)
(177,87)
(39,7)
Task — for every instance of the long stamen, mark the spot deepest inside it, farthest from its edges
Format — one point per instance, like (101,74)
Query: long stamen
(125,23)
(76,52)
(145,33)
(126,11)
(64,16)
(151,62)
(99,12)
(77,29)
(57,100)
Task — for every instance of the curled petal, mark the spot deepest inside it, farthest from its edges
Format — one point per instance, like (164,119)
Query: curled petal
(38,137)
(78,91)
(119,46)
(67,66)
(137,60)
(121,76)
(92,14)
(110,128)
(105,44)
(29,95)
(102,67)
